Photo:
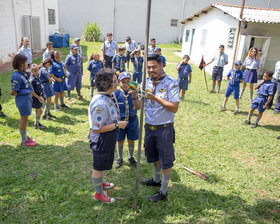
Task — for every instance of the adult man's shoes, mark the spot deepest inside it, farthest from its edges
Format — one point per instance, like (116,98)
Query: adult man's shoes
(159,196)
(151,182)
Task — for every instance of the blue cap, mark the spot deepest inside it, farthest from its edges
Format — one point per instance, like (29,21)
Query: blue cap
(157,49)
(124,75)
(238,62)
(74,46)
(76,39)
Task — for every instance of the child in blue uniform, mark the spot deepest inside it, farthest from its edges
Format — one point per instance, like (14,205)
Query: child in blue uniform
(128,104)
(163,59)
(137,61)
(1,112)
(48,90)
(58,73)
(38,89)
(74,65)
(119,60)
(23,91)
(184,75)
(235,77)
(252,64)
(103,114)
(264,94)
(94,65)
(49,46)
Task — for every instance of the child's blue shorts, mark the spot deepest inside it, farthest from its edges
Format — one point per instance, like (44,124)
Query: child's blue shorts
(24,104)
(131,130)
(259,103)
(183,83)
(234,90)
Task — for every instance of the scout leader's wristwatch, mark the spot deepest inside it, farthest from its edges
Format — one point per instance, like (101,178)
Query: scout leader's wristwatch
(116,124)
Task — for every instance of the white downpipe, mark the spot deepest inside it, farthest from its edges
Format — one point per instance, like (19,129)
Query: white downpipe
(113,19)
(15,24)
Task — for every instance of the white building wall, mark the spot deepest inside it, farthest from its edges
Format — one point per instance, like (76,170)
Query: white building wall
(130,16)
(11,23)
(217,25)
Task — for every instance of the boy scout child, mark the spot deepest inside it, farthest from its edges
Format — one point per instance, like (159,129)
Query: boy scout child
(264,94)
(137,61)
(119,60)
(184,75)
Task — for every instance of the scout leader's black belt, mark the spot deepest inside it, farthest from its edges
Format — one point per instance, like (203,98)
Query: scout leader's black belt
(218,66)
(156,127)
(184,78)
(251,69)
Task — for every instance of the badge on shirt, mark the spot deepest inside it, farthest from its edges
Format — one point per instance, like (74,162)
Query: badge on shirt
(162,90)
(98,110)
(59,70)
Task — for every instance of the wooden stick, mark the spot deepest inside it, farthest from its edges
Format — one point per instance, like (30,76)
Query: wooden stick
(201,175)
(205,76)
(149,2)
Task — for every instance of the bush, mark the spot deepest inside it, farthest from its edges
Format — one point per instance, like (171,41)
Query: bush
(92,32)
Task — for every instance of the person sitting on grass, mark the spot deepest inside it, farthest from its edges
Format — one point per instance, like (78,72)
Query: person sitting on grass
(184,75)
(38,89)
(23,91)
(264,94)
(235,77)
(128,104)
(103,114)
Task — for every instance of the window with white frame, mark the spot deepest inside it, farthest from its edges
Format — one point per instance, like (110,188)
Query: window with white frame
(51,16)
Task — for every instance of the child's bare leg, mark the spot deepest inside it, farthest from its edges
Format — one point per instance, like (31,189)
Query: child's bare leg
(213,86)
(22,128)
(183,92)
(237,104)
(251,90)
(259,118)
(225,101)
(57,95)
(243,89)
(61,97)
(219,87)
(250,114)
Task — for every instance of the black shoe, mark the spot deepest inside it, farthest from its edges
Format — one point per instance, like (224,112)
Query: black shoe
(151,182)
(159,196)
(2,114)
(35,126)
(64,106)
(278,137)
(119,163)
(50,115)
(132,162)
(246,122)
(254,125)
(45,117)
(41,127)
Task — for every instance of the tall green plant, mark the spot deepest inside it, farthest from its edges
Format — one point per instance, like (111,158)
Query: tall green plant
(92,32)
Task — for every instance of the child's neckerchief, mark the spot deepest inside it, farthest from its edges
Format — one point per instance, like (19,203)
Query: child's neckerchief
(233,77)
(126,95)
(113,98)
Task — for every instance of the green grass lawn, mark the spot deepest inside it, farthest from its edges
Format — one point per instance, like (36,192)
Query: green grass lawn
(51,183)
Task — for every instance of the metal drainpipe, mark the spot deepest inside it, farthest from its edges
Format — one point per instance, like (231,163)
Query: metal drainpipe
(268,4)
(181,25)
(15,24)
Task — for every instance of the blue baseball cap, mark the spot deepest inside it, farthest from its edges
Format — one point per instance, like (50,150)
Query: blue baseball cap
(74,46)
(76,39)
(238,62)
(157,49)
(124,75)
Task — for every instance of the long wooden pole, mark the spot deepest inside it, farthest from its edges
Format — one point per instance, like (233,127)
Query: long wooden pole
(238,32)
(149,3)
(205,79)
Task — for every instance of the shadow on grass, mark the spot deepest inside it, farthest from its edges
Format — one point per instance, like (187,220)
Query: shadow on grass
(272,127)
(197,102)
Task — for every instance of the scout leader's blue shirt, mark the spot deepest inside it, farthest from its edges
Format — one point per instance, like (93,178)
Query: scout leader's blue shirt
(20,83)
(167,89)
(46,54)
(110,48)
(44,75)
(220,60)
(36,85)
(119,61)
(184,71)
(94,66)
(265,89)
(252,63)
(137,63)
(58,69)
(121,101)
(26,51)
(235,77)
(74,63)
(102,111)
